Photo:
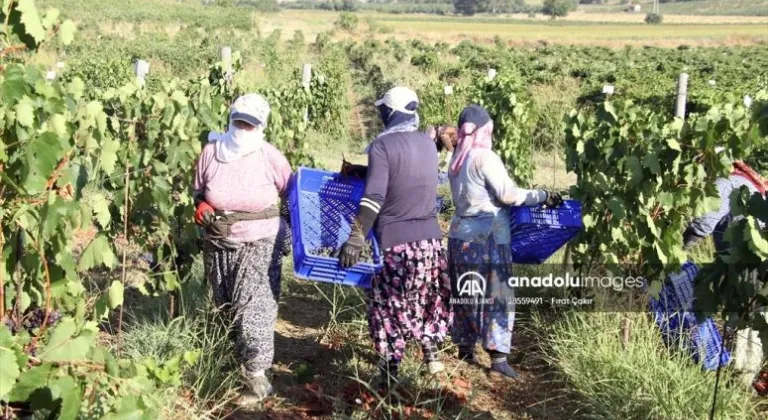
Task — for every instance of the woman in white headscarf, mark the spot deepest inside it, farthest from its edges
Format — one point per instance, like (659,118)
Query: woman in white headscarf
(239,181)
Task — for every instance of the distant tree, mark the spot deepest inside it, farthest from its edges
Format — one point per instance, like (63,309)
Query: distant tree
(350,5)
(654,18)
(557,8)
(465,7)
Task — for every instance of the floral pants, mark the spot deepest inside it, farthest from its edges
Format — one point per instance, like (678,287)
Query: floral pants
(490,322)
(246,283)
(410,298)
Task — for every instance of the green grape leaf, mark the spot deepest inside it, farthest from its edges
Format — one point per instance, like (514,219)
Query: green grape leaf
(651,161)
(115,294)
(25,114)
(67,32)
(101,308)
(757,243)
(33,26)
(69,392)
(109,148)
(43,154)
(64,345)
(129,408)
(6,339)
(100,207)
(31,380)
(10,371)
(58,124)
(51,15)
(651,225)
(99,251)
(13,87)
(633,163)
(660,254)
(673,144)
(76,88)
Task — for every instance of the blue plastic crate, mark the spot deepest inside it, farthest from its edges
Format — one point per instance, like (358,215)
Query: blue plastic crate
(323,207)
(439,204)
(538,232)
(679,327)
(442,178)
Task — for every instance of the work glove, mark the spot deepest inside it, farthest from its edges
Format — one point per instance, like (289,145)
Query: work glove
(286,216)
(204,214)
(553,199)
(357,171)
(351,250)
(690,238)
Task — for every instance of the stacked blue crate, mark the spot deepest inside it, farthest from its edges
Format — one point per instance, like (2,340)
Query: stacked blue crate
(679,326)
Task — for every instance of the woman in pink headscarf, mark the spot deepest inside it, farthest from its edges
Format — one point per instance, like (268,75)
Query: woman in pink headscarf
(479,251)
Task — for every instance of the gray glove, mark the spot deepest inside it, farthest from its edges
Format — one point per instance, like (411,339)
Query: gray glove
(285,214)
(553,199)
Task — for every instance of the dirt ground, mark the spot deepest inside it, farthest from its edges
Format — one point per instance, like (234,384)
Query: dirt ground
(318,370)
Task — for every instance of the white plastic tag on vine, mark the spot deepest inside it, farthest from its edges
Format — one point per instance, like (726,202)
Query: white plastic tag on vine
(448,90)
(747,101)
(712,83)
(491,74)
(608,89)
(50,75)
(719,149)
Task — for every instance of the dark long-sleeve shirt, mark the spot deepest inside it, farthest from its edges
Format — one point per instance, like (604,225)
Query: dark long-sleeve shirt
(401,187)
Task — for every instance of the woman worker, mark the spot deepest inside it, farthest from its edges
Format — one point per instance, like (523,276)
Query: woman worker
(409,298)
(479,240)
(748,350)
(238,183)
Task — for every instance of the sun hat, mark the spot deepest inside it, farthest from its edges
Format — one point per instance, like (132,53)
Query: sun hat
(398,99)
(251,108)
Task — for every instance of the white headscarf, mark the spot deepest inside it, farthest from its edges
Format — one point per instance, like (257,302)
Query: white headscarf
(236,142)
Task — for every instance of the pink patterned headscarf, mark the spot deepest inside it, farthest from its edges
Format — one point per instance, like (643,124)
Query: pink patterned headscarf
(471,137)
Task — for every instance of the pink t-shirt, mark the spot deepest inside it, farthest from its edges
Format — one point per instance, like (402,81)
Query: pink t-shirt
(249,184)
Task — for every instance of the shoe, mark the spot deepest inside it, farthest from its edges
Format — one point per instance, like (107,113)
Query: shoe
(433,368)
(258,387)
(502,370)
(467,357)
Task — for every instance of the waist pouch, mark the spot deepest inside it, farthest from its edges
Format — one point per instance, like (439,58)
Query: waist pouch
(219,228)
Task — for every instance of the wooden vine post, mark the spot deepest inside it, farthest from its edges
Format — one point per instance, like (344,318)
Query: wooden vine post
(226,59)
(682,95)
(141,68)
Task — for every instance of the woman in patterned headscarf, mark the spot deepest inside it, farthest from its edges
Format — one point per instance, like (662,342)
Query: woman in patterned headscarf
(479,240)
(238,184)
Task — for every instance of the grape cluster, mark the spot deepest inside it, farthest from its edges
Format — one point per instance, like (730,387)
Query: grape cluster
(32,320)
(35,318)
